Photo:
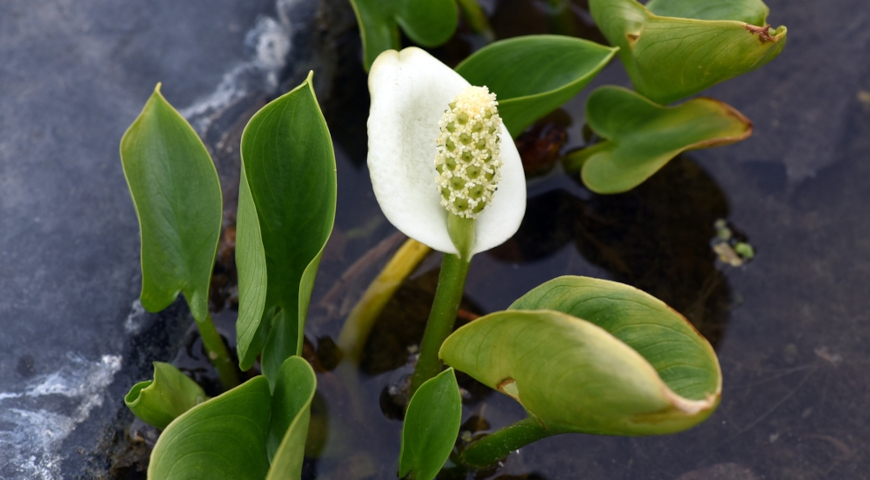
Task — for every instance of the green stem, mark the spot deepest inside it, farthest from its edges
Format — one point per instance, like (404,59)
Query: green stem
(451,283)
(499,444)
(218,353)
(574,161)
(476,18)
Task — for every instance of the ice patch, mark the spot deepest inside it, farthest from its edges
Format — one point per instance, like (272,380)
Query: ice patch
(270,42)
(136,319)
(30,437)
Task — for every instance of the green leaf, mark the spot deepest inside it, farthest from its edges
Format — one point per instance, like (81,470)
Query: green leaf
(669,58)
(431,426)
(286,211)
(682,357)
(753,12)
(641,136)
(427,22)
(291,412)
(631,367)
(534,75)
(221,439)
(177,196)
(158,402)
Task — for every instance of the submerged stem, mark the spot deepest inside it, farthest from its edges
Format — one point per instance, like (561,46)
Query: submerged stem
(451,283)
(497,445)
(361,319)
(217,352)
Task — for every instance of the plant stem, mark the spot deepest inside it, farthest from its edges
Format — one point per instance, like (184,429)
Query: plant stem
(217,352)
(476,18)
(361,319)
(451,283)
(499,444)
(574,161)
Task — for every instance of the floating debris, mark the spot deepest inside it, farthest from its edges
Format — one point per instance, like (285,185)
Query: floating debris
(732,248)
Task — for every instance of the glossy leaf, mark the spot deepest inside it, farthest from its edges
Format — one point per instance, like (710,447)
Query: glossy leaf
(427,22)
(286,212)
(753,12)
(221,439)
(573,375)
(683,358)
(158,402)
(669,58)
(431,426)
(534,75)
(291,412)
(641,136)
(177,196)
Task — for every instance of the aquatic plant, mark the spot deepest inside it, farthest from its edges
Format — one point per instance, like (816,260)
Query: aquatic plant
(579,354)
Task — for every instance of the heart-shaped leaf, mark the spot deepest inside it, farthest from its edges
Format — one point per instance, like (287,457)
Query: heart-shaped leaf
(427,22)
(641,136)
(291,412)
(287,197)
(669,58)
(575,375)
(177,196)
(221,439)
(534,75)
(431,426)
(158,402)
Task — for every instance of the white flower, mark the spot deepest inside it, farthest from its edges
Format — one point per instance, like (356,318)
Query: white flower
(411,92)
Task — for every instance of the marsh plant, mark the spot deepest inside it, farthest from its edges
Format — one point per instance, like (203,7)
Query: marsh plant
(579,354)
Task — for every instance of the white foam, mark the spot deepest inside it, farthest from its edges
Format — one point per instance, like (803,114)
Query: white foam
(270,42)
(31,445)
(136,318)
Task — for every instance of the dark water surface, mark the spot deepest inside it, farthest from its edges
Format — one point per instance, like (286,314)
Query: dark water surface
(791,327)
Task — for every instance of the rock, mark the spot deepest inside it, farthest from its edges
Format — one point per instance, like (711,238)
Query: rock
(74,76)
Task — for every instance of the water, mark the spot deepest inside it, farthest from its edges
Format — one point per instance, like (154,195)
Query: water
(790,327)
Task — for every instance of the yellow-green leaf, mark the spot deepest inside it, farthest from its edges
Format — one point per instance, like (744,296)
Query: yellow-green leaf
(640,137)
(631,367)
(158,402)
(669,57)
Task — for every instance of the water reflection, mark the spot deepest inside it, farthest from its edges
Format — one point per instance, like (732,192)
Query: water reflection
(655,237)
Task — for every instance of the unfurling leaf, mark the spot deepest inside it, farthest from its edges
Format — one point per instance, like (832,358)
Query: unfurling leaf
(640,137)
(286,211)
(431,426)
(534,75)
(158,402)
(675,48)
(592,356)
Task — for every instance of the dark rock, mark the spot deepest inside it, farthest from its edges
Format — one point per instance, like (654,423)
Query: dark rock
(74,76)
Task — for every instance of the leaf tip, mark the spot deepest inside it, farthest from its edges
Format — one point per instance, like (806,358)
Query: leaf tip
(763,32)
(157,88)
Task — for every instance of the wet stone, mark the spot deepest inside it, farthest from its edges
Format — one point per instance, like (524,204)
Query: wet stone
(74,76)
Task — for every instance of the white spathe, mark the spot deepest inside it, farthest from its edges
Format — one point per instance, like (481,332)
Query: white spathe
(410,90)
